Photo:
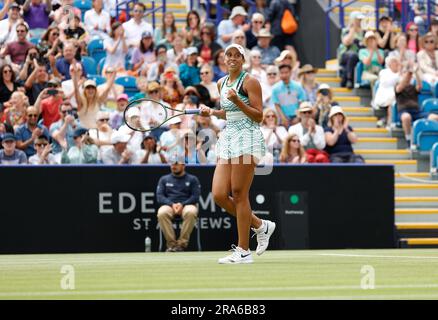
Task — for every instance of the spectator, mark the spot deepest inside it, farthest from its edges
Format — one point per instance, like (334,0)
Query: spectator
(272,79)
(97,21)
(101,135)
(142,86)
(32,60)
(63,14)
(178,195)
(8,85)
(172,89)
(176,53)
(208,46)
(192,31)
(275,14)
(114,90)
(118,153)
(413,37)
(385,94)
(351,42)
(236,21)
(189,71)
(36,83)
(434,27)
(207,82)
(310,134)
(8,26)
(49,101)
(50,46)
(42,155)
(240,39)
(385,35)
(15,114)
(339,137)
(273,133)
(16,50)
(90,101)
(9,155)
(219,67)
(324,101)
(170,139)
(157,68)
(372,58)
(402,52)
(63,130)
(428,59)
(191,148)
(27,133)
(83,152)
(406,95)
(136,137)
(292,151)
(269,52)
(144,55)
(259,8)
(287,95)
(150,153)
(116,117)
(167,32)
(77,32)
(289,57)
(116,48)
(306,75)
(257,22)
(36,14)
(69,57)
(136,26)
(68,86)
(256,68)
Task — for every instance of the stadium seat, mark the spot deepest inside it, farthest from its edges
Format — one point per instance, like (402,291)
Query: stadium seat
(89,65)
(424,135)
(95,49)
(425,93)
(129,84)
(100,65)
(34,41)
(178,220)
(97,78)
(83,5)
(358,82)
(430,105)
(434,161)
(394,114)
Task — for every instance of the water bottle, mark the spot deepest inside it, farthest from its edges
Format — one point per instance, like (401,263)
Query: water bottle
(147,244)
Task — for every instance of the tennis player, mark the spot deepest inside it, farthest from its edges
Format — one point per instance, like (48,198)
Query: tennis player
(239,148)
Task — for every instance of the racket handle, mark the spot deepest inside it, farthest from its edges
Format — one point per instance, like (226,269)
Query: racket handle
(192,111)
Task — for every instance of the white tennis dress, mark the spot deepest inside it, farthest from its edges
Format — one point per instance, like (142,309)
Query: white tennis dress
(242,135)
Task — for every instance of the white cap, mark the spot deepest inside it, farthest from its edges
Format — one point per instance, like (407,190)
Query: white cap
(238,47)
(357,15)
(174,120)
(323,86)
(191,50)
(238,10)
(335,110)
(132,112)
(118,136)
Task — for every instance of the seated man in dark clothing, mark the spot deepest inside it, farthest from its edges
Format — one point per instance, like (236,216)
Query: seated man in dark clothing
(406,95)
(178,194)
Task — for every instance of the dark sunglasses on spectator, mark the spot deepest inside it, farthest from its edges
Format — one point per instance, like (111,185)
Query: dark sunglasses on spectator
(206,72)
(55,34)
(32,115)
(257,21)
(153,92)
(429,42)
(306,112)
(138,11)
(272,74)
(104,119)
(41,144)
(205,32)
(21,31)
(257,57)
(324,92)
(295,140)
(7,71)
(270,116)
(66,111)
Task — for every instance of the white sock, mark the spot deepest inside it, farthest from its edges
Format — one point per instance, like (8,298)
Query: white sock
(261,228)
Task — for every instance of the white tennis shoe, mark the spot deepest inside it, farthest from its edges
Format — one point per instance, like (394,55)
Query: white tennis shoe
(238,256)
(263,235)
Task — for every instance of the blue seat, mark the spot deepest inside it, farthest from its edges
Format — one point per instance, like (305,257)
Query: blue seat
(424,135)
(35,41)
(434,160)
(97,78)
(95,49)
(425,93)
(129,85)
(358,82)
(430,105)
(394,116)
(83,5)
(100,65)
(89,65)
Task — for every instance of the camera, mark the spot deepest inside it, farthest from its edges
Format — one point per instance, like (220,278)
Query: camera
(73,113)
(194,99)
(52,92)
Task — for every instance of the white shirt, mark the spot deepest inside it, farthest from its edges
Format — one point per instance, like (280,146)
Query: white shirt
(133,31)
(318,137)
(154,158)
(134,144)
(212,89)
(271,138)
(385,94)
(117,58)
(6,36)
(91,18)
(35,159)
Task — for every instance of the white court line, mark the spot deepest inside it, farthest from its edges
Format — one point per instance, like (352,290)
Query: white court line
(373,256)
(206,290)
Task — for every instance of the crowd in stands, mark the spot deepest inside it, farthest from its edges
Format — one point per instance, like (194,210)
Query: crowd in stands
(400,61)
(53,111)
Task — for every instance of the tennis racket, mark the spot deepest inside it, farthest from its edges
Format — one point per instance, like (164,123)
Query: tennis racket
(146,114)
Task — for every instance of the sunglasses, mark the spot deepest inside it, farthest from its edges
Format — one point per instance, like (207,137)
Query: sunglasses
(153,92)
(104,119)
(414,29)
(7,71)
(65,111)
(21,31)
(261,22)
(205,73)
(207,33)
(239,37)
(41,144)
(272,74)
(295,140)
(306,112)
(55,34)
(270,116)
(256,57)
(138,11)
(32,115)
(429,42)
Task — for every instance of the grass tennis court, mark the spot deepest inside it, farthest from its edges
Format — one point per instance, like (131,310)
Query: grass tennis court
(327,274)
